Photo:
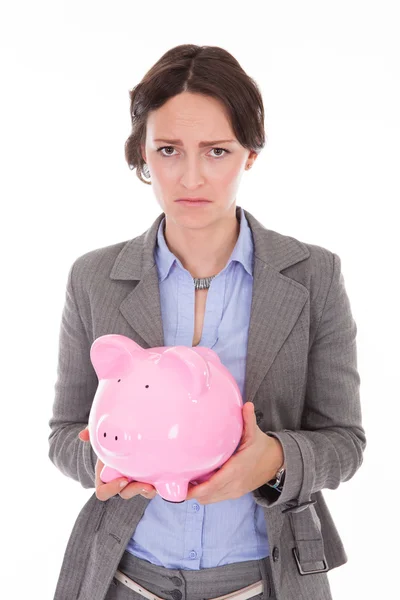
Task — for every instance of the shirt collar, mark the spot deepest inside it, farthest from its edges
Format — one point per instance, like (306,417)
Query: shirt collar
(242,252)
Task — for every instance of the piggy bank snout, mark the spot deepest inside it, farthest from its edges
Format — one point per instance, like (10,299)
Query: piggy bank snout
(114,438)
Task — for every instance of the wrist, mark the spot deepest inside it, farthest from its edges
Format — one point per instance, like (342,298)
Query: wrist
(280,457)
(277,478)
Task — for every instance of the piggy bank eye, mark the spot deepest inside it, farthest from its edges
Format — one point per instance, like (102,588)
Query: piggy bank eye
(119,380)
(146,386)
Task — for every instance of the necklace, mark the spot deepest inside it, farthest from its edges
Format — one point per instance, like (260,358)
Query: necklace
(202,283)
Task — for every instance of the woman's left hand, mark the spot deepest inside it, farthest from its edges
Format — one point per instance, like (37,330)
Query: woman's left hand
(255,462)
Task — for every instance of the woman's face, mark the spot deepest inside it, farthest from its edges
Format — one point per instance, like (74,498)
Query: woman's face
(186,169)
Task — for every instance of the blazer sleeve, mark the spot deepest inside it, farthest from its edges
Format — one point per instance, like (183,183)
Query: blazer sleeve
(75,388)
(329,446)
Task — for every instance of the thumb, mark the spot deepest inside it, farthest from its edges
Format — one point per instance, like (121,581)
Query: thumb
(249,423)
(84,435)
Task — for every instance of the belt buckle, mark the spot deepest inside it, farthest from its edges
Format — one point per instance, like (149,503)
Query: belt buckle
(300,568)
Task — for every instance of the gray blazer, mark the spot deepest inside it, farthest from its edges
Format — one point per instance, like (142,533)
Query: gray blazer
(301,375)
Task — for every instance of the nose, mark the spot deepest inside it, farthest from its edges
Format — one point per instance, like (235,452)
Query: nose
(114,438)
(192,174)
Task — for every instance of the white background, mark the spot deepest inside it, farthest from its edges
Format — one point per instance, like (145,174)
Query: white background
(329,175)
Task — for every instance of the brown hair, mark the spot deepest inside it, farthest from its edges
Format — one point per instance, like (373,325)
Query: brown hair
(208,70)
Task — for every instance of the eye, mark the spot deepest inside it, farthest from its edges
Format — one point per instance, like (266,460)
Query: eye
(219,156)
(163,148)
(146,386)
(223,150)
(119,380)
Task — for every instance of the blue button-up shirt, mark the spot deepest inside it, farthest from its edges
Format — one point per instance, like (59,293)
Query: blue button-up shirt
(189,535)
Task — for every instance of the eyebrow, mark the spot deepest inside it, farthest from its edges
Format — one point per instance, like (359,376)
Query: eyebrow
(201,144)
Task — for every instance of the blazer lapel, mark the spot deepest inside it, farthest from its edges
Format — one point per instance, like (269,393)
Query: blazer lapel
(276,306)
(142,306)
(277,300)
(276,303)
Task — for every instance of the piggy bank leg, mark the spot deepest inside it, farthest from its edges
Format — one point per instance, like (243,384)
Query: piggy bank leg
(109,474)
(172,491)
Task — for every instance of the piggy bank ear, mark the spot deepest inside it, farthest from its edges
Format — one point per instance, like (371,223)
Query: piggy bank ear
(191,367)
(207,354)
(113,355)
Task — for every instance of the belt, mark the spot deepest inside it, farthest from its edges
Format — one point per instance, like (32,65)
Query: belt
(242,594)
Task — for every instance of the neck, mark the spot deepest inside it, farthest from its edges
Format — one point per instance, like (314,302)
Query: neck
(203,252)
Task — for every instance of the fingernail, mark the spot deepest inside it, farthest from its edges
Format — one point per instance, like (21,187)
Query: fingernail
(123,484)
(145,491)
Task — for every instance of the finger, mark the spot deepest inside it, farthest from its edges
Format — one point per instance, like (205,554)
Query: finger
(190,492)
(137,487)
(104,491)
(84,435)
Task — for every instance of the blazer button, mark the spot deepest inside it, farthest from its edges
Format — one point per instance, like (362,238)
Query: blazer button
(275,553)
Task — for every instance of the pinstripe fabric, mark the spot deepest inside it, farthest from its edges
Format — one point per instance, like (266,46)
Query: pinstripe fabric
(301,374)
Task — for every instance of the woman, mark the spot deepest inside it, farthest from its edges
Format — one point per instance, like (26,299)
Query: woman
(274,309)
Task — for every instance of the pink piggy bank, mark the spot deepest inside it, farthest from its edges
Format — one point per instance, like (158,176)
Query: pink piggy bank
(165,416)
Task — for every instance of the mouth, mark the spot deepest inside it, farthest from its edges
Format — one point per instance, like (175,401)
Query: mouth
(193,201)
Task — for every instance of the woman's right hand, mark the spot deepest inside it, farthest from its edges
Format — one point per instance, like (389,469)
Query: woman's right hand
(104,491)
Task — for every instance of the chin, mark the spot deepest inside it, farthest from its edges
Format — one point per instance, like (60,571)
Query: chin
(192,221)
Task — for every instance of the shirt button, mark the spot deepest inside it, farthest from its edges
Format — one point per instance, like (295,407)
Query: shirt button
(275,553)
(193,554)
(196,507)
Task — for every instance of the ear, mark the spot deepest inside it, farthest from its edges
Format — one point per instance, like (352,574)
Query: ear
(251,159)
(114,355)
(192,368)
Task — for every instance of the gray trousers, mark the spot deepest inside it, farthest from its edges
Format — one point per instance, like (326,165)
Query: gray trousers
(183,584)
